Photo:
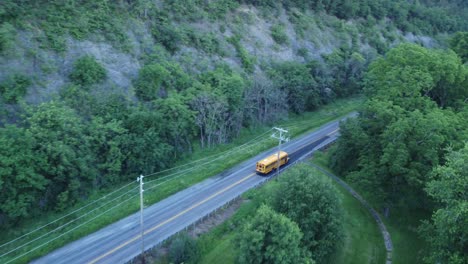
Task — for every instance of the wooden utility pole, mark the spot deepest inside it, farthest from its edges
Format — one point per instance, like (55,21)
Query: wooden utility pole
(280,134)
(140,179)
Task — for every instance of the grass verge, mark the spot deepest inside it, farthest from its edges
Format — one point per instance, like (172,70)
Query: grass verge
(402,226)
(107,206)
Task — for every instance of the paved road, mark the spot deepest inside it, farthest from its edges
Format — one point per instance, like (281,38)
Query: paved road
(120,242)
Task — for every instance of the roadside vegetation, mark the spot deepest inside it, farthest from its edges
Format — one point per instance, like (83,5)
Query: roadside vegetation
(358,238)
(110,204)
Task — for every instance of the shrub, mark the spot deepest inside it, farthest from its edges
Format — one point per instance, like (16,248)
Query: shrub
(248,62)
(183,249)
(279,35)
(166,34)
(87,71)
(14,87)
(6,36)
(149,81)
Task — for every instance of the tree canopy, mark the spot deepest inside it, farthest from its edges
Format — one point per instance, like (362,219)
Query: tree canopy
(405,125)
(447,232)
(313,204)
(270,238)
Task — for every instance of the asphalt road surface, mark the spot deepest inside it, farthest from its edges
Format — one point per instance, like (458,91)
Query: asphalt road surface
(120,242)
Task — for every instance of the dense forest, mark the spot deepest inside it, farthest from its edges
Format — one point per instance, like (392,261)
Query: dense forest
(407,145)
(70,124)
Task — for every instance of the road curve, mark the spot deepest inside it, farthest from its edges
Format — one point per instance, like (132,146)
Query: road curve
(120,241)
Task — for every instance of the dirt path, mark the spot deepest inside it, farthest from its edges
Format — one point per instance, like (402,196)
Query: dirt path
(383,229)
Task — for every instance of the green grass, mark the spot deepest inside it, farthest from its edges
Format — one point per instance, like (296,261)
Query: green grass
(402,226)
(223,252)
(158,188)
(362,241)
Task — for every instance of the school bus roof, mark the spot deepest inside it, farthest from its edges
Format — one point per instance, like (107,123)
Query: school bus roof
(272,158)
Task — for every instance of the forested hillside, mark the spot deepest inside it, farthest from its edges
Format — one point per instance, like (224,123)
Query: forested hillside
(94,93)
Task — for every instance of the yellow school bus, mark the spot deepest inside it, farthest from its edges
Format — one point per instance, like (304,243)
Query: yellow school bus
(269,163)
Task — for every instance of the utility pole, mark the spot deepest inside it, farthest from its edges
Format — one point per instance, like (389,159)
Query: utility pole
(280,135)
(140,179)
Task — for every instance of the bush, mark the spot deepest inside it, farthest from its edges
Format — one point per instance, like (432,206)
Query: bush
(149,81)
(167,34)
(87,71)
(183,249)
(6,36)
(279,35)
(14,87)
(248,62)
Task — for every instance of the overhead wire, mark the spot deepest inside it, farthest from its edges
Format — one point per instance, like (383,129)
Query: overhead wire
(220,155)
(92,219)
(207,157)
(62,217)
(66,224)
(181,173)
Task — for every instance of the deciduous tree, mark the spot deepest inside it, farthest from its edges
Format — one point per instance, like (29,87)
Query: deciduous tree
(270,238)
(447,232)
(311,202)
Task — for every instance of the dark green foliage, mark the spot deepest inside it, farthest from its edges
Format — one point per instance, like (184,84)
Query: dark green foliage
(217,9)
(270,238)
(183,249)
(143,146)
(189,10)
(279,35)
(179,120)
(21,184)
(447,231)
(14,88)
(6,37)
(167,34)
(263,3)
(108,140)
(299,84)
(459,44)
(149,84)
(313,204)
(87,71)
(228,83)
(345,69)
(61,142)
(78,98)
(401,133)
(208,42)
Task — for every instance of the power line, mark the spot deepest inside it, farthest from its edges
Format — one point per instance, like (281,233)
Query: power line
(62,217)
(207,157)
(11,260)
(66,224)
(180,173)
(119,189)
(244,145)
